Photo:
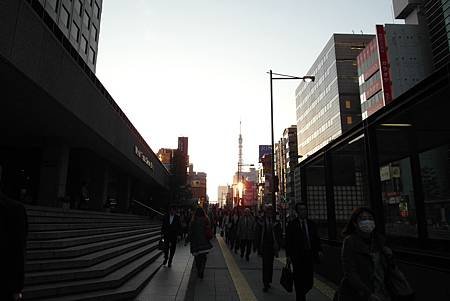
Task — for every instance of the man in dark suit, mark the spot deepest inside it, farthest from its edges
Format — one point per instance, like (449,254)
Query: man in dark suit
(171,228)
(13,236)
(268,242)
(302,250)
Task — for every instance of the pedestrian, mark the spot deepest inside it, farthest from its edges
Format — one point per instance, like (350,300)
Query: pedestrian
(227,226)
(302,250)
(13,237)
(365,260)
(246,233)
(171,228)
(268,239)
(200,234)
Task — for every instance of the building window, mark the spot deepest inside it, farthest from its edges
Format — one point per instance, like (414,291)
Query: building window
(84,43)
(78,7)
(86,19)
(94,32)
(91,55)
(75,32)
(348,104)
(54,4)
(65,17)
(349,119)
(96,11)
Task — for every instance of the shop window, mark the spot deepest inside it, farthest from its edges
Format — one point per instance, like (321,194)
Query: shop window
(435,173)
(349,119)
(398,198)
(348,104)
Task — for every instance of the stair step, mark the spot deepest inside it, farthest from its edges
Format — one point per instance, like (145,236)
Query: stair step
(98,270)
(112,280)
(84,232)
(83,240)
(68,226)
(86,260)
(87,248)
(128,291)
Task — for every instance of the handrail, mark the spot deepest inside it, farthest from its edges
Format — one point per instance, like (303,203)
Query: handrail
(150,208)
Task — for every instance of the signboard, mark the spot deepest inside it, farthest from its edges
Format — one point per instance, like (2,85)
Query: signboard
(384,64)
(143,157)
(385,173)
(264,150)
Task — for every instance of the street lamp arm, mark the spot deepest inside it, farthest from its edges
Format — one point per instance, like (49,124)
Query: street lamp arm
(285,76)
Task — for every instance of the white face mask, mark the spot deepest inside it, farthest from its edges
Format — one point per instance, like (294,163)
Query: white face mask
(366,226)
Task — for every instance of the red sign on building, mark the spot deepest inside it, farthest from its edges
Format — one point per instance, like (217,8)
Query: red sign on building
(384,64)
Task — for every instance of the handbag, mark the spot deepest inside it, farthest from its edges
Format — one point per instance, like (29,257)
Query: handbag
(287,278)
(208,232)
(397,283)
(162,244)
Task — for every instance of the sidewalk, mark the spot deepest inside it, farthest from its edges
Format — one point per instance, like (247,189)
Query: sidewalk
(170,283)
(230,277)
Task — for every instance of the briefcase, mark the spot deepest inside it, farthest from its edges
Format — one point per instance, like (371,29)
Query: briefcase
(287,278)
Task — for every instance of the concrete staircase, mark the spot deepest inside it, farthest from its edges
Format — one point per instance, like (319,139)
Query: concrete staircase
(84,255)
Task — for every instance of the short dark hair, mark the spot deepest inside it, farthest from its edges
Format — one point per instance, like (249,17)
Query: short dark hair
(350,227)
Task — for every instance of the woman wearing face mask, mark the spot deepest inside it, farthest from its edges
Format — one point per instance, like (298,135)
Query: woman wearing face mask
(364,260)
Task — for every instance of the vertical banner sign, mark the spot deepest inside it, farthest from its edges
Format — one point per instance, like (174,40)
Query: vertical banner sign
(384,64)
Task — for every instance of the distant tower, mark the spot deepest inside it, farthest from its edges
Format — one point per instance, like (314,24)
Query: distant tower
(240,151)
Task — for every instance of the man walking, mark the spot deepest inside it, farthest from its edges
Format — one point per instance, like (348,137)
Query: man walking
(269,233)
(246,232)
(13,236)
(171,228)
(302,250)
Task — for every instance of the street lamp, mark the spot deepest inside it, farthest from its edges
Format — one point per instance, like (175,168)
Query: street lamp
(307,78)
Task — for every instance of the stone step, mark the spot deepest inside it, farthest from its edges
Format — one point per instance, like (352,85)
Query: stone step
(52,211)
(61,220)
(68,226)
(110,281)
(96,271)
(83,240)
(88,259)
(128,291)
(87,248)
(84,232)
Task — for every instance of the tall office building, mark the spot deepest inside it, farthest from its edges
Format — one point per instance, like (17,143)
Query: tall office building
(435,14)
(330,105)
(397,59)
(79,21)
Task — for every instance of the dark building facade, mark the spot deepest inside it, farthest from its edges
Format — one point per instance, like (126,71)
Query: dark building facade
(63,135)
(79,21)
(331,105)
(438,17)
(397,162)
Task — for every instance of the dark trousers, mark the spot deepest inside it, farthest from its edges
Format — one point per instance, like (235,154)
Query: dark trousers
(267,258)
(246,247)
(200,263)
(171,245)
(303,274)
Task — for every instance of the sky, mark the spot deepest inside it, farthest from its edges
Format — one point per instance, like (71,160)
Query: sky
(197,68)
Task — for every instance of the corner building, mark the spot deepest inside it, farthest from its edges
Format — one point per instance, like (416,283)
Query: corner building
(331,105)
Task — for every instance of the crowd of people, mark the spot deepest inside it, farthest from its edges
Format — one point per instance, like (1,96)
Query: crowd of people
(370,272)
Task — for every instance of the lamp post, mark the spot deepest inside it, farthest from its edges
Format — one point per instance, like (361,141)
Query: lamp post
(307,78)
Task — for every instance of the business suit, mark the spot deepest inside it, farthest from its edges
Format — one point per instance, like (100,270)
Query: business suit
(268,234)
(170,230)
(13,235)
(302,247)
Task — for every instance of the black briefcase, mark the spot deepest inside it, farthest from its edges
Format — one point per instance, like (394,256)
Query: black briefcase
(287,278)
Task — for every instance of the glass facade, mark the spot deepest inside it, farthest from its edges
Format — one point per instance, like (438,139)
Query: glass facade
(438,17)
(322,113)
(397,161)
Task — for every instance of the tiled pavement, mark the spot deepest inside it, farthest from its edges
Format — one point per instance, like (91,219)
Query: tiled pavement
(170,283)
(180,282)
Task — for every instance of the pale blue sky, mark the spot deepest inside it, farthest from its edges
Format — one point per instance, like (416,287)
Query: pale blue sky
(195,68)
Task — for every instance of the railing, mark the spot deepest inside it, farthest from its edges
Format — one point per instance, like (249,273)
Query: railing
(149,208)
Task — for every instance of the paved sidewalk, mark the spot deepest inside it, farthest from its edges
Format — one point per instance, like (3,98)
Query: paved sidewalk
(170,283)
(216,284)
(231,277)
